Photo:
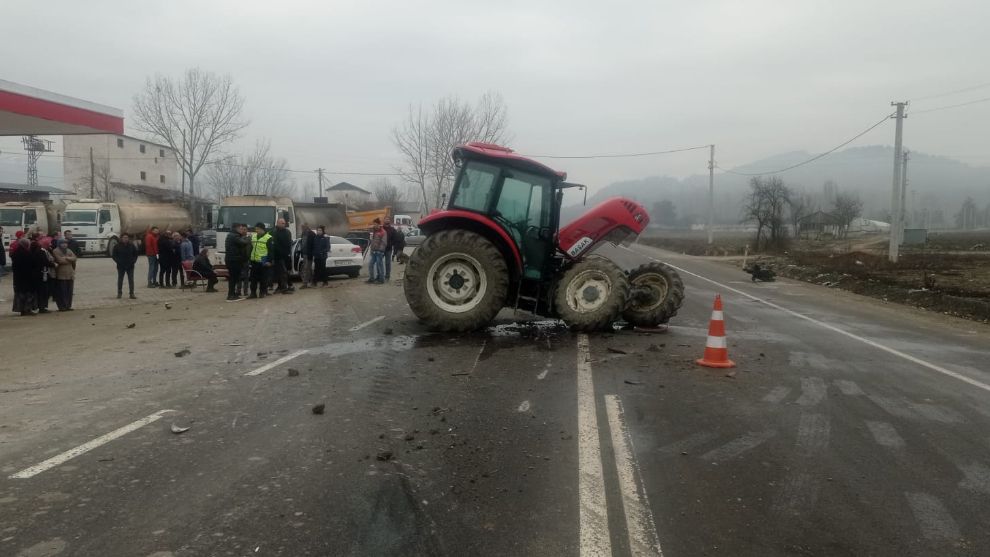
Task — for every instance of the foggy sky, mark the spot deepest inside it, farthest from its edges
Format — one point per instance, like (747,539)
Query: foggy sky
(326,81)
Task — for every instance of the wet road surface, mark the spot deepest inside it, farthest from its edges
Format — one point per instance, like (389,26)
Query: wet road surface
(849,427)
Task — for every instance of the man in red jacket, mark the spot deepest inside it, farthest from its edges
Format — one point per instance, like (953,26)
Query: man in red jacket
(151,250)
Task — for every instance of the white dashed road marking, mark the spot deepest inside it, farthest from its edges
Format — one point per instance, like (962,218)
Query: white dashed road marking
(777,394)
(934,520)
(848,388)
(813,433)
(738,446)
(86,447)
(276,363)
(643,538)
(366,323)
(885,435)
(594,534)
(813,391)
(833,328)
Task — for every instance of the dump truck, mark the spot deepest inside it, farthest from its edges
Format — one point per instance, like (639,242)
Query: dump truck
(499,243)
(28,215)
(252,209)
(97,225)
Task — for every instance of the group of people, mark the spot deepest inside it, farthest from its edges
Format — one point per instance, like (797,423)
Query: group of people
(259,260)
(166,252)
(386,244)
(44,269)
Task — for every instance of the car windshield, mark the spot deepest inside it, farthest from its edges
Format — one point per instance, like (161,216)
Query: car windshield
(11,217)
(249,215)
(79,217)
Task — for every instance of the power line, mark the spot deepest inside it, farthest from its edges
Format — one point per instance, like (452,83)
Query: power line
(816,157)
(618,156)
(983,100)
(949,93)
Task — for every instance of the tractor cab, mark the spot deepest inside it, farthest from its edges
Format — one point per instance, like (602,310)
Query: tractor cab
(498,243)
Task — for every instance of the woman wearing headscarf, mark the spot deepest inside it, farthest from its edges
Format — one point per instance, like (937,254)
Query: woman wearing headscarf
(25,271)
(65,275)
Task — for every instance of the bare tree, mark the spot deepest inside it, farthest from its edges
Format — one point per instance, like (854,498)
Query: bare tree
(259,173)
(194,115)
(427,139)
(387,193)
(102,178)
(765,206)
(847,207)
(799,206)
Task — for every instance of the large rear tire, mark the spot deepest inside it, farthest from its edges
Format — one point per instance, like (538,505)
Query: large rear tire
(591,294)
(456,281)
(666,296)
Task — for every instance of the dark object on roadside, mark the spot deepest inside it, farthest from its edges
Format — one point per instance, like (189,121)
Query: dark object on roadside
(384,456)
(132,325)
(168,306)
(92,316)
(632,382)
(319,408)
(653,348)
(182,353)
(758,273)
(177,430)
(387,331)
(293,372)
(615,350)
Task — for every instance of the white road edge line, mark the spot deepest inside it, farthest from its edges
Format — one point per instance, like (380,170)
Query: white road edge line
(594,533)
(643,537)
(277,362)
(835,329)
(366,323)
(86,447)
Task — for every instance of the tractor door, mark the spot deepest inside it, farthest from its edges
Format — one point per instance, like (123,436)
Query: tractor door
(524,208)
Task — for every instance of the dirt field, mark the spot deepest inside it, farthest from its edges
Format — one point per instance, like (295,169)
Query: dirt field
(951,274)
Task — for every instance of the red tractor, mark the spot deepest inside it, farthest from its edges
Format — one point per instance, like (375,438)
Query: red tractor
(499,244)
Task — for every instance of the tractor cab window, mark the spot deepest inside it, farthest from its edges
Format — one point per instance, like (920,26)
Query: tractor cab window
(475,188)
(523,209)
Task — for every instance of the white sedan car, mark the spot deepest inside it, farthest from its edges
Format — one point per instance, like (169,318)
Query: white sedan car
(345,258)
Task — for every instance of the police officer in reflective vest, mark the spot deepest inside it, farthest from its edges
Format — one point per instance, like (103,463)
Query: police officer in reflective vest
(261,245)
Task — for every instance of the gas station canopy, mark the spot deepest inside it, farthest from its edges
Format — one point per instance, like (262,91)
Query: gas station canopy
(28,111)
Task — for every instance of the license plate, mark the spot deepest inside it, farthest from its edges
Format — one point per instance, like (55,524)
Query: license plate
(339,262)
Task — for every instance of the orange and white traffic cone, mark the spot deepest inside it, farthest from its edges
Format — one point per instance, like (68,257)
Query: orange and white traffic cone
(716,351)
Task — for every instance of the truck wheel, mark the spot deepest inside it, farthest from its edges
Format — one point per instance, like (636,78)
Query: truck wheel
(112,243)
(657,294)
(456,281)
(591,294)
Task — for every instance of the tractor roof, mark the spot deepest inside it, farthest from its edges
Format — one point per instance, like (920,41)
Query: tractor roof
(497,154)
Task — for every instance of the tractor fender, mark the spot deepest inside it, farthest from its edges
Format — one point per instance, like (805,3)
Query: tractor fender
(446,220)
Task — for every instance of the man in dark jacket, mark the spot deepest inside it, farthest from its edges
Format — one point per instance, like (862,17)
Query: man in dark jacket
(125,255)
(237,250)
(201,264)
(282,256)
(306,250)
(321,250)
(396,241)
(165,251)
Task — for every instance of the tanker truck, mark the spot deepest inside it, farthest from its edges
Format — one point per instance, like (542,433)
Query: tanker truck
(97,225)
(28,215)
(252,209)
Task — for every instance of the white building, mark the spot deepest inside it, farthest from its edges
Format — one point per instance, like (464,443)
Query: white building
(116,159)
(348,194)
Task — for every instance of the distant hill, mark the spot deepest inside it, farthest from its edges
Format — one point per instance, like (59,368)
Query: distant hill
(933,181)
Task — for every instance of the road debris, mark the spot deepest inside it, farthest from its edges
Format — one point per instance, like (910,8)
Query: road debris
(131,325)
(387,331)
(168,306)
(319,408)
(655,347)
(177,430)
(293,372)
(181,353)
(615,350)
(632,382)
(384,456)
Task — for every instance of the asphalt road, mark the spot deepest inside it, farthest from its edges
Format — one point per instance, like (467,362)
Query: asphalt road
(849,427)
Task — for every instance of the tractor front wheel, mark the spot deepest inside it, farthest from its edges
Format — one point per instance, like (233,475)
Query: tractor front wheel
(456,281)
(591,294)
(657,294)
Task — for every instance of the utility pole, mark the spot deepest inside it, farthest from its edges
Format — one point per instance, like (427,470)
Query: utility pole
(711,193)
(895,196)
(92,175)
(903,220)
(319,172)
